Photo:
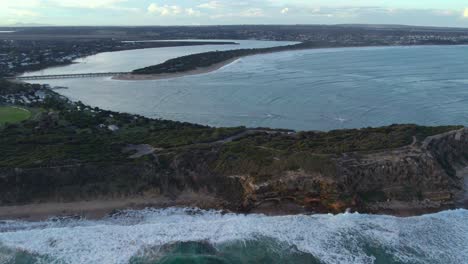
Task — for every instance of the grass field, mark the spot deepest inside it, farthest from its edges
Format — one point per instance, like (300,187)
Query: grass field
(9,114)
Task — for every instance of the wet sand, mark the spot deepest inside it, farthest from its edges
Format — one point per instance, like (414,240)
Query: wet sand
(146,77)
(96,209)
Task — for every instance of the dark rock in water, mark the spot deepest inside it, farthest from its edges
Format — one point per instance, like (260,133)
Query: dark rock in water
(65,218)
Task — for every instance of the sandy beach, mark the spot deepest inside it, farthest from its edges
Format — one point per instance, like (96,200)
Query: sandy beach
(96,209)
(145,77)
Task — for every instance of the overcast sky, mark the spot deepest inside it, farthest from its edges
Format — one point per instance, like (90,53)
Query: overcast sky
(217,12)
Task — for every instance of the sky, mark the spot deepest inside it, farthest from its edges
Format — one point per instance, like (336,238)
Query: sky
(222,12)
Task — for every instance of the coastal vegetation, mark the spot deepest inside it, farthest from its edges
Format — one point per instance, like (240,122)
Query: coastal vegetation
(37,48)
(70,151)
(8,88)
(71,133)
(65,132)
(31,55)
(263,153)
(345,140)
(207,59)
(80,184)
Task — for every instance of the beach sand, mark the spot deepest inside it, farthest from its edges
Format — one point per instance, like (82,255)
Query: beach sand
(96,209)
(145,77)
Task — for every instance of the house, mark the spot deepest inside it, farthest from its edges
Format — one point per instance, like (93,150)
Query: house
(113,128)
(40,94)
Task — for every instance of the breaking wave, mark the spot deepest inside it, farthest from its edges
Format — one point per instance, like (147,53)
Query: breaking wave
(194,236)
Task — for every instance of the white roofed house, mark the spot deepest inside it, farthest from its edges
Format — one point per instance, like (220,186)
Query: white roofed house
(113,128)
(40,94)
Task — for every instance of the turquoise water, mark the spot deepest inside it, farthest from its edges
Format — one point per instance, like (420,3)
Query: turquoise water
(315,89)
(304,90)
(196,236)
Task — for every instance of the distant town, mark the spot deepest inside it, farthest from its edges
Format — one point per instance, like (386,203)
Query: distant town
(29,49)
(58,150)
(18,56)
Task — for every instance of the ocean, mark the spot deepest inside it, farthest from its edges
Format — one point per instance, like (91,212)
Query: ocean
(322,89)
(178,235)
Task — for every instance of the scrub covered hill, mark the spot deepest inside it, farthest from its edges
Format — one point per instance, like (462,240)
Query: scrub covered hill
(73,152)
(65,132)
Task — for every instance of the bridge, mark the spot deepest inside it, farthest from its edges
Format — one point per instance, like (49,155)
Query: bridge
(66,76)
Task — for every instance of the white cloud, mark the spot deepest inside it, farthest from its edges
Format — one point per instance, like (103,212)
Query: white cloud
(240,11)
(23,13)
(211,5)
(19,4)
(87,3)
(14,10)
(160,10)
(192,12)
(176,10)
(60,3)
(30,7)
(252,12)
(171,10)
(446,12)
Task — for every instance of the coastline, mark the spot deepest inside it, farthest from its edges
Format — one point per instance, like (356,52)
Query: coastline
(101,208)
(164,76)
(217,66)
(97,207)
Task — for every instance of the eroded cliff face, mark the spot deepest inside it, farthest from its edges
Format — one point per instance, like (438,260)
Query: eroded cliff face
(451,151)
(426,175)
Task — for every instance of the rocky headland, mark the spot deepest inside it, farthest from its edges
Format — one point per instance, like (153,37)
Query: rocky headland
(423,177)
(70,159)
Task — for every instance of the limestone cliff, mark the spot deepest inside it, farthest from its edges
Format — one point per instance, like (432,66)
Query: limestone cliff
(424,176)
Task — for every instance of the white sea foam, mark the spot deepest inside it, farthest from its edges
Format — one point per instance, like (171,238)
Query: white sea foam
(437,238)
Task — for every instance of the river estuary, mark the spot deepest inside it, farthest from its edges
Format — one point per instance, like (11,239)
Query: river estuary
(305,90)
(319,89)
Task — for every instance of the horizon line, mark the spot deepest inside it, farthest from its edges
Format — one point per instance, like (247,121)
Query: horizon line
(39,25)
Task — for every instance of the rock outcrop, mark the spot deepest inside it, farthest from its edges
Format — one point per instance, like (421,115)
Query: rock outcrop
(424,176)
